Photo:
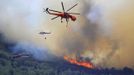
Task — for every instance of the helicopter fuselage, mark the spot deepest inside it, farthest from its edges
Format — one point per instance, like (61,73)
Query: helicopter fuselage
(63,15)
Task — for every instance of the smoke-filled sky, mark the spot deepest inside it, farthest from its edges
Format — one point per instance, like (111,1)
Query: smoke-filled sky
(103,32)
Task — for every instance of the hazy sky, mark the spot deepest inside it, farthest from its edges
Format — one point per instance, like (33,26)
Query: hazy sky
(104,30)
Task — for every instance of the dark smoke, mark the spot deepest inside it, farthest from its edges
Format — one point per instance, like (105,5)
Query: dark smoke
(91,38)
(90,29)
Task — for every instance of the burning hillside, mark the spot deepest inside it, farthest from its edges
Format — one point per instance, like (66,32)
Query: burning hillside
(101,33)
(79,62)
(57,67)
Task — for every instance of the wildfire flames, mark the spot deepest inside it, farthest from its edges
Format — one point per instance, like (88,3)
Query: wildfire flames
(80,63)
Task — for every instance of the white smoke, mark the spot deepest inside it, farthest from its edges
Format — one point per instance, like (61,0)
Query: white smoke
(103,24)
(22,20)
(115,27)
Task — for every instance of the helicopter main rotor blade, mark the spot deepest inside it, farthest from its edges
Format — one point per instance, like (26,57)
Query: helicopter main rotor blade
(63,7)
(72,7)
(55,11)
(74,13)
(54,17)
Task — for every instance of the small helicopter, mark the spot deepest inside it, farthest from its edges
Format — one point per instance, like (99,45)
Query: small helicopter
(44,33)
(65,14)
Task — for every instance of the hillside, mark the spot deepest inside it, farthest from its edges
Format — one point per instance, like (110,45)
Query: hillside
(31,66)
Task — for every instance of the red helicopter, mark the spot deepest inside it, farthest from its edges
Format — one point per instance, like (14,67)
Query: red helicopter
(65,14)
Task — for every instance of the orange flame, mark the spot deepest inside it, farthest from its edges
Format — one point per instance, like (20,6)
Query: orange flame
(81,63)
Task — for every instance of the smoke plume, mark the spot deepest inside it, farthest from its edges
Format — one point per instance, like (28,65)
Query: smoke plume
(106,34)
(103,32)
